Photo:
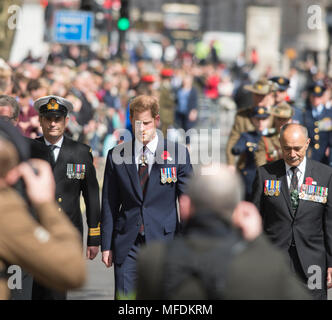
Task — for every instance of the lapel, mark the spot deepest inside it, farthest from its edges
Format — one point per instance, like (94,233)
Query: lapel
(307,173)
(131,167)
(284,188)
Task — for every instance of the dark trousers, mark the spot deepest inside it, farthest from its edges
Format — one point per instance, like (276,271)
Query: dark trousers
(125,274)
(39,292)
(296,267)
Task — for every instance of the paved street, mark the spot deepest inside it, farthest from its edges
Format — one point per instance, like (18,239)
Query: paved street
(99,285)
(100,282)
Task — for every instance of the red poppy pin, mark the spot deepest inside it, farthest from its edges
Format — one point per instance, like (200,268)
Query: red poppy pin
(308,180)
(166,156)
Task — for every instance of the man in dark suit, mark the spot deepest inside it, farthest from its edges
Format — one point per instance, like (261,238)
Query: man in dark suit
(143,180)
(74,173)
(294,200)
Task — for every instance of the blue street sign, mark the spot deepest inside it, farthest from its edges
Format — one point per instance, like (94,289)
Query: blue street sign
(73,27)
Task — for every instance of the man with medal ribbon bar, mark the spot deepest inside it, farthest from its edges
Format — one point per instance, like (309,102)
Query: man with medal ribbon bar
(74,174)
(299,221)
(130,206)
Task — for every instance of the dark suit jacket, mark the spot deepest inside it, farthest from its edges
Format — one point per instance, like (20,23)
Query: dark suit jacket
(312,224)
(123,206)
(68,190)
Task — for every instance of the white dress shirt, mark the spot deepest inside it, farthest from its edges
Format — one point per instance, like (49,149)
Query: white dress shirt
(150,151)
(300,173)
(57,149)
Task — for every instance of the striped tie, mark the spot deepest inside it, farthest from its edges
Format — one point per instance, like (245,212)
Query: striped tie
(143,172)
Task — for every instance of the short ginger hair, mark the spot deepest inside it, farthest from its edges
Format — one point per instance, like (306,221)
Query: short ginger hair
(143,103)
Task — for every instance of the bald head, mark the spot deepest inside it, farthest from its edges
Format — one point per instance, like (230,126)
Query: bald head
(294,128)
(218,189)
(294,143)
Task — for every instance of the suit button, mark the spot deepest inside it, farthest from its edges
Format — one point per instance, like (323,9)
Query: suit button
(317,146)
(316,130)
(316,137)
(60,199)
(316,123)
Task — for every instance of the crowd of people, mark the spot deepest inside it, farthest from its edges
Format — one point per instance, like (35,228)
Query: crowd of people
(100,90)
(282,126)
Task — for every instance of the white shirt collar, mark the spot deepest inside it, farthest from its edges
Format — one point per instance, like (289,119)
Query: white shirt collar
(58,144)
(151,146)
(301,166)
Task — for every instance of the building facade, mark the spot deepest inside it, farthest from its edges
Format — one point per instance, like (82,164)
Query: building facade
(304,25)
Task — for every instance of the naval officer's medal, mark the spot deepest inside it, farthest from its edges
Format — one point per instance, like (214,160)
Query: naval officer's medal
(75,171)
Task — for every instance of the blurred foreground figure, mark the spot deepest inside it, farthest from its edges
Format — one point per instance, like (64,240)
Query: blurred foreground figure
(222,254)
(9,111)
(40,248)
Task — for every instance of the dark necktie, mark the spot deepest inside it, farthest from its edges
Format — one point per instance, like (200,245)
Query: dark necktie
(295,181)
(293,189)
(52,147)
(143,172)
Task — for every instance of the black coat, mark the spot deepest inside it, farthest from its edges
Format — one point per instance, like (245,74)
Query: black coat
(68,190)
(311,226)
(258,271)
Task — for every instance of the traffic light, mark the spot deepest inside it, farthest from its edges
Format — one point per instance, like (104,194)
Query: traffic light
(123,22)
